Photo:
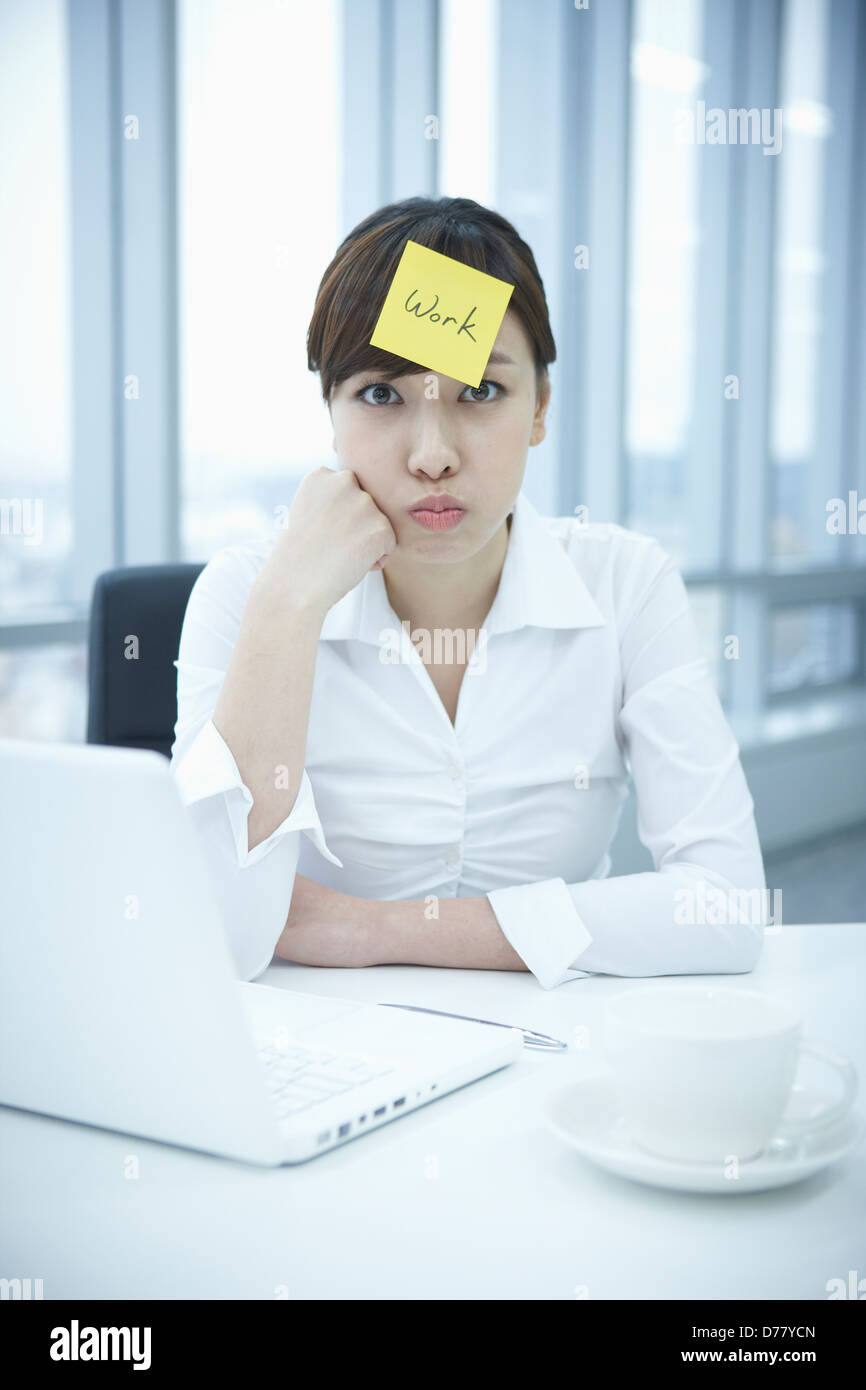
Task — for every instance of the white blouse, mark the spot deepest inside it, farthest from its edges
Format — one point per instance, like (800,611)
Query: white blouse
(587,669)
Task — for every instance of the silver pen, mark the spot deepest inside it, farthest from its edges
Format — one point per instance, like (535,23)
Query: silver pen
(541,1041)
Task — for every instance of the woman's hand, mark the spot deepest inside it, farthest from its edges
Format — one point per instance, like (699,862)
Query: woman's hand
(325,927)
(334,534)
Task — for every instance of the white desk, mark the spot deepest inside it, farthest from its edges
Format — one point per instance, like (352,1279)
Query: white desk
(470,1197)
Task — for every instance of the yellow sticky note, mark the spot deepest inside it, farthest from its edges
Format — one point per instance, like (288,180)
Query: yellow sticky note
(441,313)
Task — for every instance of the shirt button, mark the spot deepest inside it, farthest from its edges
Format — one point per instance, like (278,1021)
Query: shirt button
(452,861)
(454,771)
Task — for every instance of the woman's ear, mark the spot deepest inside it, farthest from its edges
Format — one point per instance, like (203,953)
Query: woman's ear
(539,428)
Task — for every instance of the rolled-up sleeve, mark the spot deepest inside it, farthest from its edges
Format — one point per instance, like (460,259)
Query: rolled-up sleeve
(703,909)
(253,886)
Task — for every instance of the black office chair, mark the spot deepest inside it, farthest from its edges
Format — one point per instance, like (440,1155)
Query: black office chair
(132,702)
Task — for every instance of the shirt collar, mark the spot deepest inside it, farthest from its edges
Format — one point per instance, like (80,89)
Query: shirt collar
(539,587)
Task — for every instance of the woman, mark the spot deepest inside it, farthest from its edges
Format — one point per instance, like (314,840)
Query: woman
(465,684)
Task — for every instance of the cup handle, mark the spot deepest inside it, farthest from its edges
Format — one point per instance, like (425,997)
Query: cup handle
(835,1111)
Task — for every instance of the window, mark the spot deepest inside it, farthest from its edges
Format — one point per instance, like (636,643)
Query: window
(667,72)
(294,120)
(813,645)
(42,692)
(258,179)
(41,686)
(35,474)
(467,63)
(799,276)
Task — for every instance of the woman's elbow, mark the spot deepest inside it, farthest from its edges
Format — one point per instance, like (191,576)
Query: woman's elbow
(253,925)
(742,929)
(737,918)
(746,945)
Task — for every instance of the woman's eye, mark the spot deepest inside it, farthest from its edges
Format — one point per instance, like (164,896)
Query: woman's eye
(482,392)
(380,393)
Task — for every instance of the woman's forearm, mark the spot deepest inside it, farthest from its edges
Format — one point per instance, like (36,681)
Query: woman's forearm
(463,934)
(263,708)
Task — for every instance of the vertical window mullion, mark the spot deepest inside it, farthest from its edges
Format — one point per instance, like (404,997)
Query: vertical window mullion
(412,96)
(529,141)
(756,76)
(831,471)
(576,465)
(148,385)
(707,456)
(362,127)
(856,550)
(604,347)
(94,326)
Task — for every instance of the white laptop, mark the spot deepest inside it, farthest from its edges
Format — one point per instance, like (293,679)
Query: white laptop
(119,1006)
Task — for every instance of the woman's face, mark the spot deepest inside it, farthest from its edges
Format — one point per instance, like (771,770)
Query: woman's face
(406,437)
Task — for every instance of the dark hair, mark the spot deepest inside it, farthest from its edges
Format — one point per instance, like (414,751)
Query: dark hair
(353,288)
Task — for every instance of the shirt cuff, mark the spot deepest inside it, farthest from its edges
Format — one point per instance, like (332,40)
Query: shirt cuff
(208,768)
(542,923)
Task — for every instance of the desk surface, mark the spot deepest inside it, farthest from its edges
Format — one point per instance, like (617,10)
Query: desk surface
(471,1197)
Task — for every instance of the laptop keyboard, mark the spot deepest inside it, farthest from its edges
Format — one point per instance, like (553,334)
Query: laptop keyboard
(300,1076)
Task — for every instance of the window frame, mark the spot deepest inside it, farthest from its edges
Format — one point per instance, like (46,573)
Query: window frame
(126,467)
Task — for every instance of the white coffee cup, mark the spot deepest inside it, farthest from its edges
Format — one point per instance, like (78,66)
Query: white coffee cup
(705,1073)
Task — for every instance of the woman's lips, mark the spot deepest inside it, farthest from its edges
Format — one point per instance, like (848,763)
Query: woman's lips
(438,521)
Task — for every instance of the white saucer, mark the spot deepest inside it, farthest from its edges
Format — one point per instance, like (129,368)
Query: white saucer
(584,1116)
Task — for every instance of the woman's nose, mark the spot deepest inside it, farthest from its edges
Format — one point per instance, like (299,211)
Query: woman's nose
(432,451)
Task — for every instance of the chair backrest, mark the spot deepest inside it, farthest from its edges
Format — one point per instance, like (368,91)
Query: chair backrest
(136,616)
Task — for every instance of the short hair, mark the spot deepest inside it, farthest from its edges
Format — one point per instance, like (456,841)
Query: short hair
(353,288)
